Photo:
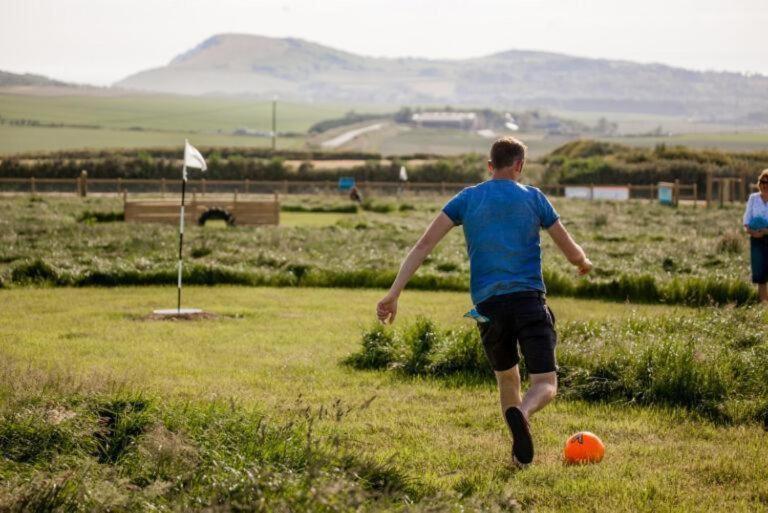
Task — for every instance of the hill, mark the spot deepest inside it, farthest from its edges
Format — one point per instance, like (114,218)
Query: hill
(8,79)
(239,64)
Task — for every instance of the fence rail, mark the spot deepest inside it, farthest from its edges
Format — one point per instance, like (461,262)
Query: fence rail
(717,191)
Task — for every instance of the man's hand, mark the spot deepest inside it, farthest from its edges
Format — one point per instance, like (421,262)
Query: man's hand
(386,309)
(584,266)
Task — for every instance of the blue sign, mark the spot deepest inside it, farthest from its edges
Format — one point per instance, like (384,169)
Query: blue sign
(346,183)
(665,194)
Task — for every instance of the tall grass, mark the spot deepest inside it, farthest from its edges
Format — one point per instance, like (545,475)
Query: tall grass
(714,362)
(641,288)
(83,449)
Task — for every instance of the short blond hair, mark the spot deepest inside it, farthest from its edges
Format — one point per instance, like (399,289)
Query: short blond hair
(763,174)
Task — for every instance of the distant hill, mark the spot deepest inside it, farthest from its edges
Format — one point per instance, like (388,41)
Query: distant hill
(237,64)
(8,79)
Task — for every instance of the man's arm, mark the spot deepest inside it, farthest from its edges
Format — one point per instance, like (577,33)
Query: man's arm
(568,246)
(387,307)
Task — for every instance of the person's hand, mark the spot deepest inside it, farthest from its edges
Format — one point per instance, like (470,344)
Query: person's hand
(584,266)
(386,309)
(757,234)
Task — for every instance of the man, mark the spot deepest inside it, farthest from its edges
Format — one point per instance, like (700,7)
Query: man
(502,220)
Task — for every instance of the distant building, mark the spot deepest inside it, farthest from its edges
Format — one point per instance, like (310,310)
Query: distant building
(455,120)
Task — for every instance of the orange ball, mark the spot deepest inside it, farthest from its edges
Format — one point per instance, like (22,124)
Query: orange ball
(583,447)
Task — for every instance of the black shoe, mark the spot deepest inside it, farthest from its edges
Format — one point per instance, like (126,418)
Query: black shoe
(522,443)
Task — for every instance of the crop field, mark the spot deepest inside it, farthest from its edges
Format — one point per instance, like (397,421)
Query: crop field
(642,251)
(104,409)
(164,112)
(151,120)
(17,139)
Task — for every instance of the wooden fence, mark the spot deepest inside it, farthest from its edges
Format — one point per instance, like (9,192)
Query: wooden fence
(717,190)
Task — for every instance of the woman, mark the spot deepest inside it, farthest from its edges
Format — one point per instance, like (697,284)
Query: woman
(756,224)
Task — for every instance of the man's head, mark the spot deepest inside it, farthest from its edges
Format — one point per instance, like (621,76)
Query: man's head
(507,157)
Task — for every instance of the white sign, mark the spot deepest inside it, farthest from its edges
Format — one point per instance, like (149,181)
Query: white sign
(598,192)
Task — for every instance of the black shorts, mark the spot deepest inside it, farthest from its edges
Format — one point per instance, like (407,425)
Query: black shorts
(520,318)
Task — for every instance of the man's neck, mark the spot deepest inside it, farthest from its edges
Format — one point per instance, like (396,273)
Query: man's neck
(504,176)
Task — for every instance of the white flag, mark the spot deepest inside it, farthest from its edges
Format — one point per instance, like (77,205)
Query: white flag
(403,174)
(192,158)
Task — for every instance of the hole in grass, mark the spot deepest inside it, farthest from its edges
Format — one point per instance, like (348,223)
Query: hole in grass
(120,422)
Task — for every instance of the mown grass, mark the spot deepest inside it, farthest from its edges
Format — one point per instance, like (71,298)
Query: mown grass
(273,353)
(641,251)
(713,362)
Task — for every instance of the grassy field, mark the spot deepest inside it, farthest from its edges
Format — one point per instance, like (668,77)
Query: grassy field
(279,350)
(642,251)
(16,139)
(153,120)
(165,112)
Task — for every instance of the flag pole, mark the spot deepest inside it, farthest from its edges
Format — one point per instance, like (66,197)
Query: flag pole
(181,231)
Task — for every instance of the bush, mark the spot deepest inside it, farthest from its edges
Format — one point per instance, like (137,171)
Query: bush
(731,242)
(35,272)
(676,361)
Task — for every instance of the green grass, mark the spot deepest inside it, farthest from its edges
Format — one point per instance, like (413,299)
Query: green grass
(679,361)
(641,251)
(310,219)
(165,112)
(278,350)
(14,139)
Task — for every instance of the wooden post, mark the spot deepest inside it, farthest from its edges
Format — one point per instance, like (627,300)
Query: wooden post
(235,195)
(247,186)
(721,186)
(676,192)
(162,187)
(285,186)
(652,193)
(591,191)
(442,188)
(83,184)
(695,194)
(125,198)
(708,193)
(203,180)
(277,208)
(119,185)
(629,191)
(742,187)
(32,187)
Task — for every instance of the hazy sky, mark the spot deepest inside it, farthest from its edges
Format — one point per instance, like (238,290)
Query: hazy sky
(101,41)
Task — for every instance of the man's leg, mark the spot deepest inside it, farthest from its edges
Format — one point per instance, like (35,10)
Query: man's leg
(542,390)
(511,402)
(762,292)
(509,388)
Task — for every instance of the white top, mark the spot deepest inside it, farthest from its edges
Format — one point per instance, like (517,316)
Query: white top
(756,208)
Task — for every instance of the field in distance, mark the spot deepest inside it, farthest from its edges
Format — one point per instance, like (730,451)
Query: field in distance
(48,122)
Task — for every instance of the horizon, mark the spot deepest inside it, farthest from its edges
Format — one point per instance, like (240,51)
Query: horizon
(707,36)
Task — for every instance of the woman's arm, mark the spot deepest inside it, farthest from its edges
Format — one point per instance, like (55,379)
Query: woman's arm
(387,307)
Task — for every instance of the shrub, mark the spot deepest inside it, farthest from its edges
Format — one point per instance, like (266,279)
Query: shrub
(35,272)
(676,361)
(90,217)
(731,242)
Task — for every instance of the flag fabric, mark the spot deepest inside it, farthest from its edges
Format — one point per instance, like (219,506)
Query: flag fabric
(403,174)
(192,158)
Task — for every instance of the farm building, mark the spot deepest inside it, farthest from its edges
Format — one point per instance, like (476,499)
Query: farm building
(456,120)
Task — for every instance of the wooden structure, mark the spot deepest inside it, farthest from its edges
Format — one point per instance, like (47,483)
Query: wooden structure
(249,212)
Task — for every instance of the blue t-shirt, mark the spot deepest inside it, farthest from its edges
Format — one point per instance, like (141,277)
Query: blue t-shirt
(502,220)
